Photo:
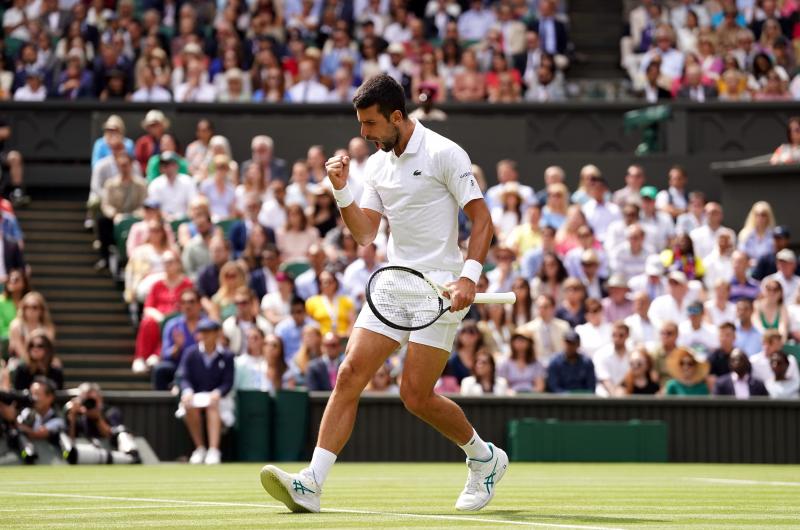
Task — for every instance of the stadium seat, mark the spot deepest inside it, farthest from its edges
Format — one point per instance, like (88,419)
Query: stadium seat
(121,231)
(295,268)
(226,226)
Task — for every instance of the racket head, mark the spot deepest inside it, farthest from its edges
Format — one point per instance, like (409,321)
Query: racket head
(403,298)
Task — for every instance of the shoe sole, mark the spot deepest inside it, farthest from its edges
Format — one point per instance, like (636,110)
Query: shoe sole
(272,484)
(500,475)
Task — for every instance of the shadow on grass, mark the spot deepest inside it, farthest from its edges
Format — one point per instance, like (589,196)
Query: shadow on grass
(528,515)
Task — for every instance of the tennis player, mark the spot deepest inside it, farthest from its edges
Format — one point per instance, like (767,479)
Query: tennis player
(418,179)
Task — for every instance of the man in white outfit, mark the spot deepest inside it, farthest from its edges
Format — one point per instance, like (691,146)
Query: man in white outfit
(419,180)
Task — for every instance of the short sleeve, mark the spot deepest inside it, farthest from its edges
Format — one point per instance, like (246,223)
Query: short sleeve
(458,177)
(370,198)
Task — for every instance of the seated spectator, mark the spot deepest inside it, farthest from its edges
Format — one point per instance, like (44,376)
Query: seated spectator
(748,337)
(484,380)
(596,332)
(743,286)
(688,374)
(629,258)
(234,89)
(695,215)
(75,82)
(658,224)
(469,84)
(354,279)
(274,210)
(295,239)
(145,265)
(521,370)
(468,342)
(771,342)
(383,382)
(694,89)
(779,384)
(177,336)
(787,267)
(113,131)
(196,253)
(275,305)
(503,275)
(554,212)
(768,263)
(220,191)
(547,86)
(738,382)
(770,310)
(41,355)
(590,274)
(598,209)
(673,305)
(41,421)
(789,152)
(241,229)
(496,329)
(32,315)
(262,150)
(719,308)
(639,379)
(173,190)
(278,373)
(197,150)
(162,301)
(140,232)
(571,371)
(122,197)
(719,263)
(232,276)
(332,311)
(257,243)
(653,89)
(697,334)
(149,90)
(755,238)
(522,310)
(34,88)
(550,279)
(573,261)
(195,87)
(704,237)
(236,326)
(14,289)
(290,329)
(251,364)
(167,143)
(611,362)
(719,359)
(572,309)
(206,378)
(322,371)
(668,341)
(308,89)
(617,305)
(681,257)
(642,331)
(671,59)
(155,124)
(547,330)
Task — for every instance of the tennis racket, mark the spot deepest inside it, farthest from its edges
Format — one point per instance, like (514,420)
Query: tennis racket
(406,299)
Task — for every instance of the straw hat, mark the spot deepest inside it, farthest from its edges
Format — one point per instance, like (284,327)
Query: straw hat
(674,365)
(114,123)
(155,116)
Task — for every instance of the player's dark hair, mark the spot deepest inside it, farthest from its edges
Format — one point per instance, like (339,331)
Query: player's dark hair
(384,91)
(47,383)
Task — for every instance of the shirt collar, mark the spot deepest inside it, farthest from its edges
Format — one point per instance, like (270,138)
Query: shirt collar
(736,377)
(415,141)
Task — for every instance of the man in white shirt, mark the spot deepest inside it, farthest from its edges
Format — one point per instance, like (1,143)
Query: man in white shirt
(695,215)
(308,89)
(419,180)
(704,238)
(658,226)
(697,334)
(671,59)
(674,200)
(634,180)
(630,258)
(652,282)
(598,211)
(771,342)
(148,89)
(787,263)
(357,273)
(33,89)
(673,305)
(359,154)
(611,362)
(173,190)
(196,88)
(642,331)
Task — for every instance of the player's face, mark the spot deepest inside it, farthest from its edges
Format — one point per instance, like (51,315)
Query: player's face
(377,129)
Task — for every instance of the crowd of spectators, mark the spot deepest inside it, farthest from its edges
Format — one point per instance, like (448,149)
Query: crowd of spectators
(705,50)
(300,51)
(616,290)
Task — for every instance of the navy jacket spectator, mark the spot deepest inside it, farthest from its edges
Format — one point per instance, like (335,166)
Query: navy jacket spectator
(239,235)
(208,280)
(565,376)
(12,255)
(724,386)
(258,283)
(200,373)
(318,376)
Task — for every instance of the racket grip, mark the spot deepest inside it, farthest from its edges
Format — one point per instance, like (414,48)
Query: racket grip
(495,298)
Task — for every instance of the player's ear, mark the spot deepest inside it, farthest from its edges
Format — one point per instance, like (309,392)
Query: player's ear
(396,117)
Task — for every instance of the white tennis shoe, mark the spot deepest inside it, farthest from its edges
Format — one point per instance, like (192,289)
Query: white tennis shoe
(298,491)
(482,480)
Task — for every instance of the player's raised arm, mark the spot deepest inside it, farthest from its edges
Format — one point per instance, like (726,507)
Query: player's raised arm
(362,222)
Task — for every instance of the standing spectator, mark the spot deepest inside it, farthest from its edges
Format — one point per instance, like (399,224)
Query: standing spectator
(484,379)
(611,362)
(39,362)
(521,369)
(162,301)
(156,124)
(739,382)
(206,379)
(236,327)
(755,238)
(638,379)
(177,337)
(779,385)
(688,374)
(173,190)
(571,371)
(322,371)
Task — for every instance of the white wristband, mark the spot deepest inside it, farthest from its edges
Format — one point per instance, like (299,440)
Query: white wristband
(343,196)
(472,270)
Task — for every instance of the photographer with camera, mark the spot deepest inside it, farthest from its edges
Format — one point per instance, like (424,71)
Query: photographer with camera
(96,433)
(37,419)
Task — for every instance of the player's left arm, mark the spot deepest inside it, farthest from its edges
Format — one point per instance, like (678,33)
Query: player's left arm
(462,291)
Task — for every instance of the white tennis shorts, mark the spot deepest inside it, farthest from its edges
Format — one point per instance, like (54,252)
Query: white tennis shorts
(440,334)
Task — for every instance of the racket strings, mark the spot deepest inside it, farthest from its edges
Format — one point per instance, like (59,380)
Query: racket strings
(404,298)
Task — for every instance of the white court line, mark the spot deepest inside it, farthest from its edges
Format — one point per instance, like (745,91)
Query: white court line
(744,482)
(335,510)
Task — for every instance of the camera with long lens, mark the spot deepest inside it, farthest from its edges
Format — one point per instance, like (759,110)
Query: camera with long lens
(21,399)
(19,442)
(93,452)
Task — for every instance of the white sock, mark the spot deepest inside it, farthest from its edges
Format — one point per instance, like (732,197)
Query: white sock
(321,463)
(476,448)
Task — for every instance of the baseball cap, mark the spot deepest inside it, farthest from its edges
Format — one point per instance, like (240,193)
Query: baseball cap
(168,156)
(648,192)
(678,276)
(786,255)
(396,47)
(152,204)
(207,324)
(695,308)
(572,337)
(781,231)
(653,265)
(589,256)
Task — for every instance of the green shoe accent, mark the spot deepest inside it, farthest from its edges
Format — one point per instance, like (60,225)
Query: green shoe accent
(298,486)
(491,448)
(489,482)
(272,485)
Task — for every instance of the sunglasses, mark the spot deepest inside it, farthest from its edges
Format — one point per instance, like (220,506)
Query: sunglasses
(687,363)
(31,306)
(242,302)
(38,345)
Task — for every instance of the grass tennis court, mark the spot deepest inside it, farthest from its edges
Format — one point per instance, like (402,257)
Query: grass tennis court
(406,495)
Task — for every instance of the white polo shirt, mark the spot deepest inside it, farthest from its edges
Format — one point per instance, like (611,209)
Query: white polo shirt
(174,197)
(420,193)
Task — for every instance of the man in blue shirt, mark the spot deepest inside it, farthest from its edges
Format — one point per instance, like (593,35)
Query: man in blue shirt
(177,336)
(290,329)
(748,338)
(571,371)
(206,378)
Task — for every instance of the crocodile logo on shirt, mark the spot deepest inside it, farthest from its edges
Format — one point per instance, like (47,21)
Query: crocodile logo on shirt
(417,173)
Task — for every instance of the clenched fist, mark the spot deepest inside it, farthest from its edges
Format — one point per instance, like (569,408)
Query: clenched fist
(337,168)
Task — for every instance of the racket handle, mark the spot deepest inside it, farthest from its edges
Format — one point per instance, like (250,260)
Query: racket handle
(495,298)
